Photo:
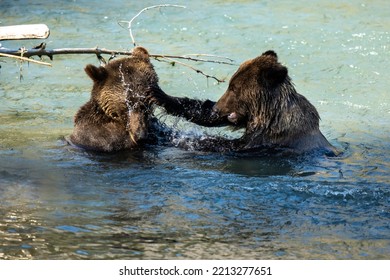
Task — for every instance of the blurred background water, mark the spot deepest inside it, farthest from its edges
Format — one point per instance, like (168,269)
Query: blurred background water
(166,203)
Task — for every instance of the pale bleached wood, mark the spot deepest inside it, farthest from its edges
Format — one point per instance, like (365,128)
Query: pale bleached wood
(25,31)
(25,59)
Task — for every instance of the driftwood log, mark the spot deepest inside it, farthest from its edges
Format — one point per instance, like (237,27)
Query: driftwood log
(26,31)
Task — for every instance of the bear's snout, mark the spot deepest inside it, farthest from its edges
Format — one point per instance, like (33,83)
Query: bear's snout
(233,117)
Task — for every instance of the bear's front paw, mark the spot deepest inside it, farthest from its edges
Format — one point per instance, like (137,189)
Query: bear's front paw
(155,95)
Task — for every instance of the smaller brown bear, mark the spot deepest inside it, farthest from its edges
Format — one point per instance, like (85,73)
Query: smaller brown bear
(116,116)
(262,99)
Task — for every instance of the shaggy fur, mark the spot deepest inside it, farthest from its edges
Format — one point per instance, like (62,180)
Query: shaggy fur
(262,99)
(116,116)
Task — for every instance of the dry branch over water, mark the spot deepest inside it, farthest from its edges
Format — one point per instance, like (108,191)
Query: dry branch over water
(25,54)
(99,51)
(130,22)
(42,31)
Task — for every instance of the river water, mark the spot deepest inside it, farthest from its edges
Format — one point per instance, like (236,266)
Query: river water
(166,203)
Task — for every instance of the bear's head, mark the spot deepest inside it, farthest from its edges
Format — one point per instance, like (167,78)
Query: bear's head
(120,88)
(253,91)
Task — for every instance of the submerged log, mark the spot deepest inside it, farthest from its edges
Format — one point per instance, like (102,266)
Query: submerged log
(25,31)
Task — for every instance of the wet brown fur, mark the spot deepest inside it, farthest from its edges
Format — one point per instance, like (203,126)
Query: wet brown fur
(116,116)
(261,98)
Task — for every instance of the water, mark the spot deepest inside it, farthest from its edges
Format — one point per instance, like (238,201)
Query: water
(166,203)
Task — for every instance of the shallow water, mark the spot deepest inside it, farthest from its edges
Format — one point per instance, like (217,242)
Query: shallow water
(165,203)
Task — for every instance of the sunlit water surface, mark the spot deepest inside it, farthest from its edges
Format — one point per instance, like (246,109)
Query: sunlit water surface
(164,203)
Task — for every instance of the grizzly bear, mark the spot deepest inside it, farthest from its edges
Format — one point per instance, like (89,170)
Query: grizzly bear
(262,99)
(116,116)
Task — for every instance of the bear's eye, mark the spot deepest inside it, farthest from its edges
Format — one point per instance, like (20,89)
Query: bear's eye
(237,91)
(233,89)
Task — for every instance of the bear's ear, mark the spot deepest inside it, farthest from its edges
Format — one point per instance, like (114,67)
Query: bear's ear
(97,74)
(140,52)
(271,53)
(275,75)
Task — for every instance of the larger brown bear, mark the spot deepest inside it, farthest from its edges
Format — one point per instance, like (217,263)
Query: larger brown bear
(116,116)
(261,98)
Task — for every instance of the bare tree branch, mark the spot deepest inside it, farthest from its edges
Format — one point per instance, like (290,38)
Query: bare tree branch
(50,53)
(25,54)
(129,23)
(99,51)
(173,61)
(209,55)
(188,57)
(25,59)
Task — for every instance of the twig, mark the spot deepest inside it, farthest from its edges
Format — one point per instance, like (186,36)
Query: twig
(210,55)
(129,23)
(25,59)
(188,57)
(191,67)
